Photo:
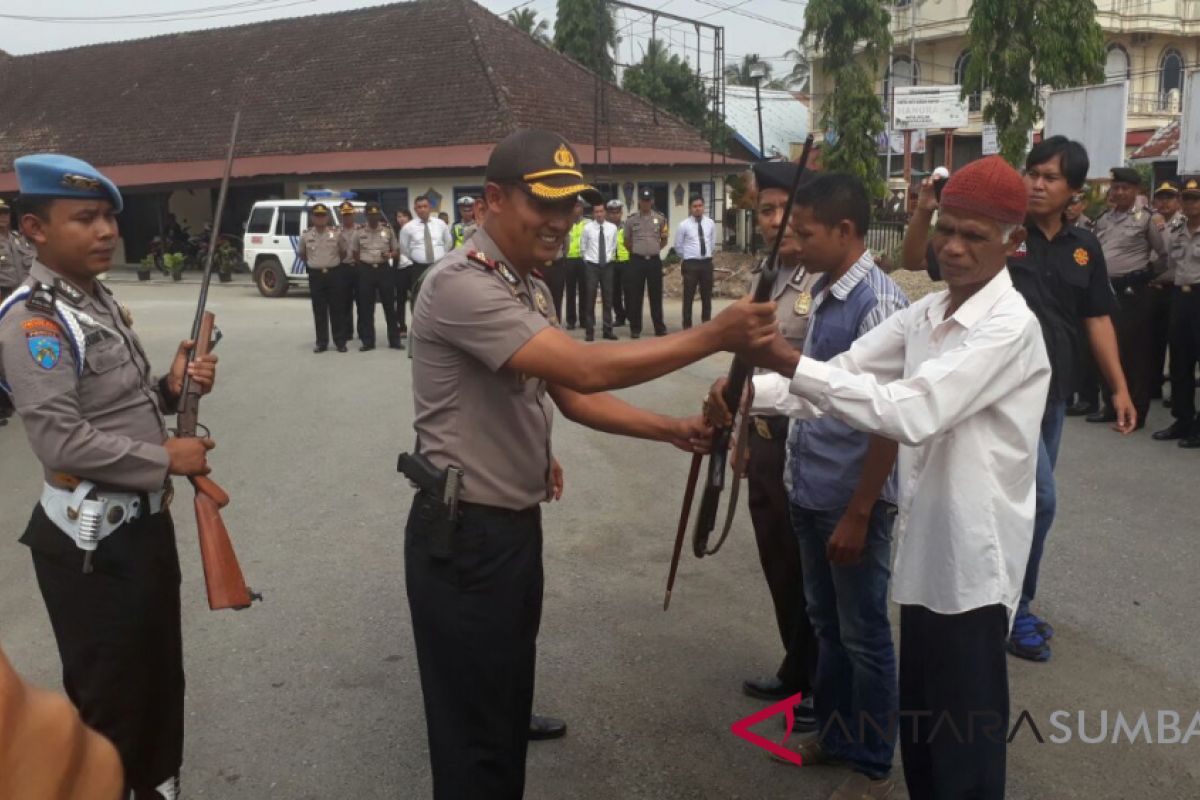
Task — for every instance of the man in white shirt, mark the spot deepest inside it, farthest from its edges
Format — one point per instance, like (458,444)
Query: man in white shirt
(424,240)
(598,244)
(960,378)
(695,241)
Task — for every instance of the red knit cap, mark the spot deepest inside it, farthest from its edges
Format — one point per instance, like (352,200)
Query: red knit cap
(989,188)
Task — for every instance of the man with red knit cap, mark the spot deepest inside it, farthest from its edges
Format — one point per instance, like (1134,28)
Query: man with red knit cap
(960,380)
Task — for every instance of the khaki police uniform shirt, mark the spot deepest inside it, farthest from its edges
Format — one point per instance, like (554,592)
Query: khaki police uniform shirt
(348,235)
(644,233)
(16,257)
(1129,239)
(471,410)
(1185,256)
(322,249)
(1166,277)
(373,245)
(104,422)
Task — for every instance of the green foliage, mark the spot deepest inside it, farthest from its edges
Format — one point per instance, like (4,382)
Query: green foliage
(173,262)
(670,83)
(1016,47)
(584,31)
(739,74)
(526,19)
(852,110)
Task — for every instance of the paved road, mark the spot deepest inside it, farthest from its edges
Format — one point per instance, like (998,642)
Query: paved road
(314,693)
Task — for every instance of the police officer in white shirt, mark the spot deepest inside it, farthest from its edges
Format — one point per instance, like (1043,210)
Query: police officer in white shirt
(960,379)
(598,244)
(424,240)
(695,241)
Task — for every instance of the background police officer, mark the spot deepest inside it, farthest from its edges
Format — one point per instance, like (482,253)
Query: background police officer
(374,249)
(1133,244)
(322,248)
(1185,322)
(488,360)
(615,213)
(93,414)
(346,276)
(645,235)
(462,230)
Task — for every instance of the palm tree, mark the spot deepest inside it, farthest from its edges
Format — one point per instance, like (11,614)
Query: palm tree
(800,78)
(526,19)
(742,74)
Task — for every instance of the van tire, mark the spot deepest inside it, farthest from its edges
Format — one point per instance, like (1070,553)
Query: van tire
(270,278)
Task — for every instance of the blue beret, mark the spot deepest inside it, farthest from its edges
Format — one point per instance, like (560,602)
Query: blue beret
(53,175)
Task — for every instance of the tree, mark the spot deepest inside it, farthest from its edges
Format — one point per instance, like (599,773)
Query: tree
(851,111)
(1062,41)
(526,19)
(670,83)
(584,31)
(741,74)
(799,79)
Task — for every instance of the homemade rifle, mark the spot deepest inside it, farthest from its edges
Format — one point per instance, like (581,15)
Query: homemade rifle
(222,573)
(718,455)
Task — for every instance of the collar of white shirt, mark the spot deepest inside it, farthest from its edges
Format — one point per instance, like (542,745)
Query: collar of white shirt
(976,307)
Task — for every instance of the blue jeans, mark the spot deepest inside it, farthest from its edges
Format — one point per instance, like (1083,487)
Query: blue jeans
(855,689)
(1043,517)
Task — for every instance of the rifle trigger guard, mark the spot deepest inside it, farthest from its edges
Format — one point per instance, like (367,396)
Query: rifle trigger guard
(200,426)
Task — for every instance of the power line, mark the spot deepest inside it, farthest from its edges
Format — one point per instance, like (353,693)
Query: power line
(229,10)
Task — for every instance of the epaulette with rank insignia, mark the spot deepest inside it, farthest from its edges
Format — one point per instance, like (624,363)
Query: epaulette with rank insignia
(537,273)
(482,259)
(41,299)
(498,267)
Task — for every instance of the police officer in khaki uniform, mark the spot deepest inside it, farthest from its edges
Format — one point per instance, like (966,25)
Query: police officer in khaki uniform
(16,255)
(1132,244)
(324,250)
(489,364)
(1185,321)
(646,234)
(1169,219)
(374,249)
(778,548)
(102,539)
(346,276)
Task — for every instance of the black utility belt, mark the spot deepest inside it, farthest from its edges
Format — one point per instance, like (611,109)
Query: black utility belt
(1132,279)
(322,270)
(1188,288)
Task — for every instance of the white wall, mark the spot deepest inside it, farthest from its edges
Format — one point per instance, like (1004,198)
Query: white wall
(192,207)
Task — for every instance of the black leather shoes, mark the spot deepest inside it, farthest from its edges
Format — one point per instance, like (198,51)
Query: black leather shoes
(366,347)
(1103,415)
(610,336)
(1176,431)
(769,688)
(542,728)
(1082,409)
(1191,443)
(341,348)
(397,345)
(321,348)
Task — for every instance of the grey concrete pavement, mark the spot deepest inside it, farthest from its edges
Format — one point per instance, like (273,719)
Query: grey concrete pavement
(314,692)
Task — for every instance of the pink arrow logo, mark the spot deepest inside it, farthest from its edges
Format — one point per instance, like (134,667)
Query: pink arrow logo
(787,707)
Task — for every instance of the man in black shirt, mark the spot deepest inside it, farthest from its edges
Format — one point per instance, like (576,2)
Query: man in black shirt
(1061,273)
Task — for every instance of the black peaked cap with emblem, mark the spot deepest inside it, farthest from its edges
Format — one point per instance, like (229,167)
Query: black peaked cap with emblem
(1167,187)
(320,208)
(542,163)
(1126,175)
(1191,187)
(777,175)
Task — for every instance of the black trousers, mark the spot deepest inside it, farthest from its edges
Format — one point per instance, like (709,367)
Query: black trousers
(401,286)
(416,274)
(1134,322)
(327,311)
(556,278)
(375,282)
(118,635)
(345,281)
(643,276)
(618,292)
(697,273)
(779,554)
(953,703)
(596,276)
(1160,335)
(574,283)
(1185,353)
(475,621)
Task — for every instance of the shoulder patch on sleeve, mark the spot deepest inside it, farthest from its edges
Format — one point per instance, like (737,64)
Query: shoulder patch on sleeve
(43,338)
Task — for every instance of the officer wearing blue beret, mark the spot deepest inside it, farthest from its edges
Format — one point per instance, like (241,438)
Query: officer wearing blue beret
(102,539)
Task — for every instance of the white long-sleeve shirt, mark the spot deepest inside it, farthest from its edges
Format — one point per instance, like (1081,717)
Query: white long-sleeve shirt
(412,240)
(687,238)
(965,394)
(589,242)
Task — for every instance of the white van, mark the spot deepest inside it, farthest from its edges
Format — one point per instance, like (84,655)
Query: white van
(273,235)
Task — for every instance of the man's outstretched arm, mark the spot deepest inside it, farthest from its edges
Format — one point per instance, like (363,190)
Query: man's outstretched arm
(610,414)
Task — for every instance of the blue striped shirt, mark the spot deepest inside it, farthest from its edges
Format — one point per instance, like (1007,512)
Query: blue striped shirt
(825,455)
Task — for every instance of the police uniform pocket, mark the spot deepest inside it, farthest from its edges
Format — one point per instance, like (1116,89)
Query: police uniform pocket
(102,359)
